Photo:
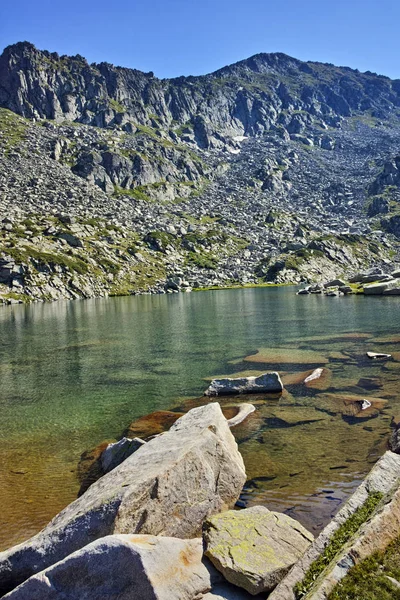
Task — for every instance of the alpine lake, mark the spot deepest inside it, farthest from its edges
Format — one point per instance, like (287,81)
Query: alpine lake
(76,373)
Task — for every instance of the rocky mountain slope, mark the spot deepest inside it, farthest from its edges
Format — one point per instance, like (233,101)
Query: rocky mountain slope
(270,170)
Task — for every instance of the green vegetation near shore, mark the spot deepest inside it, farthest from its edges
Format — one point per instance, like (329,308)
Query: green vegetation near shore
(12,129)
(369,580)
(337,541)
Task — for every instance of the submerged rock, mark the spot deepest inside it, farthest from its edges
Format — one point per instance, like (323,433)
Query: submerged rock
(268,382)
(122,567)
(316,374)
(254,548)
(152,424)
(290,356)
(351,407)
(89,467)
(167,487)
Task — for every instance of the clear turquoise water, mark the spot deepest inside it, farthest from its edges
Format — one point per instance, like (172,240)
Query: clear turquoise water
(76,373)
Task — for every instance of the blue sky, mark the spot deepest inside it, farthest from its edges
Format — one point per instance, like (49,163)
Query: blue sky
(187,37)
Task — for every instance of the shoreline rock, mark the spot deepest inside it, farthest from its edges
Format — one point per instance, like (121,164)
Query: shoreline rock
(143,495)
(121,567)
(382,477)
(254,548)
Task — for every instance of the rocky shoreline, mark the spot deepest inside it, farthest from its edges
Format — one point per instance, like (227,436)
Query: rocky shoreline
(373,282)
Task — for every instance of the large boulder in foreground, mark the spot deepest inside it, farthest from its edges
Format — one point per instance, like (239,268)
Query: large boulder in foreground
(167,487)
(123,567)
(266,383)
(254,548)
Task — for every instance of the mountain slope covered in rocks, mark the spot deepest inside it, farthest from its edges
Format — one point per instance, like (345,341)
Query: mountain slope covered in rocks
(269,170)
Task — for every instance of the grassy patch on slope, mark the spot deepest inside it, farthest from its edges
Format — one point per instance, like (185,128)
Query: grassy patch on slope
(369,580)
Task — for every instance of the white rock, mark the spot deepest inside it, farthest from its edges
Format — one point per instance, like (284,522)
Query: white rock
(378,355)
(316,374)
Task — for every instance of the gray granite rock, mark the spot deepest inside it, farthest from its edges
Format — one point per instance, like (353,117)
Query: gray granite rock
(381,288)
(167,487)
(254,548)
(123,567)
(117,452)
(268,382)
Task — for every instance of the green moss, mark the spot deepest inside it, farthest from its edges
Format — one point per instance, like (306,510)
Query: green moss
(357,288)
(139,278)
(25,254)
(307,254)
(15,296)
(369,579)
(184,128)
(239,286)
(130,153)
(154,134)
(12,129)
(203,261)
(117,106)
(160,240)
(337,541)
(138,193)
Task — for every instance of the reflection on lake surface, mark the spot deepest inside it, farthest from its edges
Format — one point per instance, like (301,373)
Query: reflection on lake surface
(76,373)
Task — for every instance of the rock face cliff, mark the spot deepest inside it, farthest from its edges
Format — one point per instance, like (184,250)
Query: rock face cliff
(270,169)
(246,98)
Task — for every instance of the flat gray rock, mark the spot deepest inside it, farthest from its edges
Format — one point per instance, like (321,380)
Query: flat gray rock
(167,487)
(123,567)
(268,382)
(254,548)
(335,283)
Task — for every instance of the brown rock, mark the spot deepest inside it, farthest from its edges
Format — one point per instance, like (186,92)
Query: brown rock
(152,424)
